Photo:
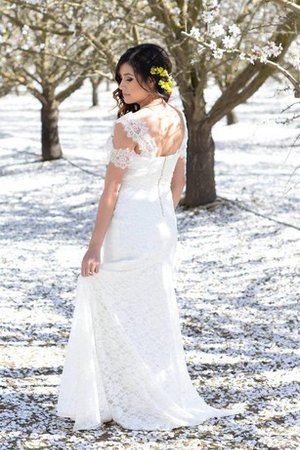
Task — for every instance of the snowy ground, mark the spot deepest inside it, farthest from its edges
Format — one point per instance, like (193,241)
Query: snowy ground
(237,276)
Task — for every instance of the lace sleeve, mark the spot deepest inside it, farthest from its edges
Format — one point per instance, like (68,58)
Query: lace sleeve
(121,157)
(121,151)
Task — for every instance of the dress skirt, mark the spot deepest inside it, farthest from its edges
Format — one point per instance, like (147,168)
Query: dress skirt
(125,359)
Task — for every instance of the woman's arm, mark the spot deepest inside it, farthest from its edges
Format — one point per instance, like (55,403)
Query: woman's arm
(108,199)
(178,181)
(106,206)
(119,159)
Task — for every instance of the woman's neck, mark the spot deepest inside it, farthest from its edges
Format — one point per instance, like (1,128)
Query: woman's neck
(147,103)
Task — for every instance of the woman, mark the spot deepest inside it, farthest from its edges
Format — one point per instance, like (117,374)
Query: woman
(125,358)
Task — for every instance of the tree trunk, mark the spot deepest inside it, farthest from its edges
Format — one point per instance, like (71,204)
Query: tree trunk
(200,181)
(51,148)
(95,97)
(95,84)
(231,118)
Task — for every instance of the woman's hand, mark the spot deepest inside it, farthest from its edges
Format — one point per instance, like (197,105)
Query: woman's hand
(91,262)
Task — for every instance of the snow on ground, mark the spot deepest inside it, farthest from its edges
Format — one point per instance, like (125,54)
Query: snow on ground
(237,276)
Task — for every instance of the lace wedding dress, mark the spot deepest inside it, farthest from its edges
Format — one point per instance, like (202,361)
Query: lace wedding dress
(125,359)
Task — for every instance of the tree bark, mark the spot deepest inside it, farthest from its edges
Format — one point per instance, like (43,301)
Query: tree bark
(231,117)
(95,96)
(200,183)
(95,84)
(51,148)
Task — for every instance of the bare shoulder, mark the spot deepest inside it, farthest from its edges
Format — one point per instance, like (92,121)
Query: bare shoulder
(166,113)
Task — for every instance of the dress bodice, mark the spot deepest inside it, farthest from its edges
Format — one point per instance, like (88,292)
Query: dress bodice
(145,168)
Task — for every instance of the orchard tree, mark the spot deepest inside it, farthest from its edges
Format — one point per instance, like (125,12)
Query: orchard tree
(95,82)
(45,46)
(221,34)
(239,45)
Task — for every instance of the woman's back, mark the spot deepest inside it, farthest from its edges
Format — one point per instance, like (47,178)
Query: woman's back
(158,139)
(165,124)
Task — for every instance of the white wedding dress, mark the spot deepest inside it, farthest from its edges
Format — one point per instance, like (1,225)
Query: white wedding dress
(125,358)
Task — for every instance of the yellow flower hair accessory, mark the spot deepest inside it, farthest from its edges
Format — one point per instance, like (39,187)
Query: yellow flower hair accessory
(166,85)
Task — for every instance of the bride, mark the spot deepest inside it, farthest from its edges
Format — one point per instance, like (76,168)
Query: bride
(125,359)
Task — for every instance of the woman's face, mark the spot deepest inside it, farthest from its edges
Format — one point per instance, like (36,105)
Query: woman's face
(132,90)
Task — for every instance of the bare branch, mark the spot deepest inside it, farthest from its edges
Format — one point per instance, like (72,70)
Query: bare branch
(61,96)
(288,5)
(254,75)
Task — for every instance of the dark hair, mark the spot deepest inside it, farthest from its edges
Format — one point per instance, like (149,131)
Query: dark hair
(142,57)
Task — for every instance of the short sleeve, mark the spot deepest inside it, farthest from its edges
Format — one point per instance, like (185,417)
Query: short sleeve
(121,151)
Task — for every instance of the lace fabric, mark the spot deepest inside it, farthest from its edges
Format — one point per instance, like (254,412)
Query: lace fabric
(121,157)
(137,130)
(125,358)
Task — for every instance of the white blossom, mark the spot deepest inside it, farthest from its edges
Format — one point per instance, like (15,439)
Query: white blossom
(256,50)
(216,30)
(272,49)
(234,30)
(295,60)
(207,16)
(211,4)
(228,41)
(218,53)
(152,22)
(263,58)
(265,52)
(212,45)
(195,33)
(175,11)
(25,29)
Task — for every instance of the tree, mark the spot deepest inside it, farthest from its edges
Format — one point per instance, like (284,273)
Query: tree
(95,82)
(45,48)
(240,45)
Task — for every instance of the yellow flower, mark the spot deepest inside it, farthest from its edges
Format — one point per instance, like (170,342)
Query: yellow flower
(166,85)
(159,71)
